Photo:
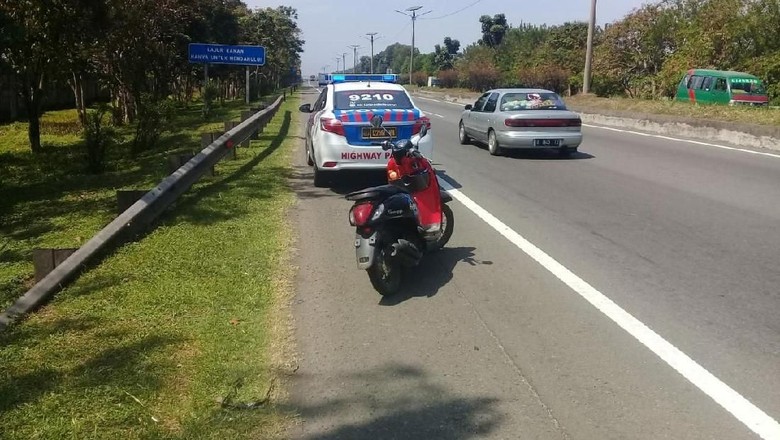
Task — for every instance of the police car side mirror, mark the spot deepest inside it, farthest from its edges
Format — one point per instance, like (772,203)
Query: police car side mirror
(376,121)
(469,106)
(305,108)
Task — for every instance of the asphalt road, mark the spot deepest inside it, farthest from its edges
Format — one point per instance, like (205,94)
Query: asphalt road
(490,343)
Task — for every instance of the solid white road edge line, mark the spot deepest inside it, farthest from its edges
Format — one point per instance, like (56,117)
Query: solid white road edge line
(752,416)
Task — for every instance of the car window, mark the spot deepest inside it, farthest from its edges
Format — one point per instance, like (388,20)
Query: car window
(481,102)
(490,105)
(707,84)
(696,82)
(321,101)
(747,85)
(720,84)
(685,79)
(372,98)
(531,101)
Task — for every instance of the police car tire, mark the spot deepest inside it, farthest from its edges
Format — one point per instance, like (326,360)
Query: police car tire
(320,179)
(462,136)
(309,160)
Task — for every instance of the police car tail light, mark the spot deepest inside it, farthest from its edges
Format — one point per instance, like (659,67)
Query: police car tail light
(358,215)
(419,123)
(332,125)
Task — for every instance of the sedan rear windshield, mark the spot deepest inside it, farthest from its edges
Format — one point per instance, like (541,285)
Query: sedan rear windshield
(370,99)
(531,101)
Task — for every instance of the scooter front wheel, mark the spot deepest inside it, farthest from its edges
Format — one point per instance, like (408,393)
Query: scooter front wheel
(385,273)
(447,226)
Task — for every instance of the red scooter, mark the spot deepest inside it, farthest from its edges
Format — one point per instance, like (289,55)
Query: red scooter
(397,223)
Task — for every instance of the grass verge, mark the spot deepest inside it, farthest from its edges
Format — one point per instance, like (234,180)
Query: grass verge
(48,200)
(169,336)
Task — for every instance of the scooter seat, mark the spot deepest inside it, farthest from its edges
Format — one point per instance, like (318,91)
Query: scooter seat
(377,192)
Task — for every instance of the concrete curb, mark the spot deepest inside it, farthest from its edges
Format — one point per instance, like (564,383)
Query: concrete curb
(741,135)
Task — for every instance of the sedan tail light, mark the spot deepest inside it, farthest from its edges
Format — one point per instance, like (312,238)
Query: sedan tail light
(512,122)
(332,126)
(419,123)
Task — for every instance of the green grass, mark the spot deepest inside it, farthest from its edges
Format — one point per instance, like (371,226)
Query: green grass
(48,200)
(148,342)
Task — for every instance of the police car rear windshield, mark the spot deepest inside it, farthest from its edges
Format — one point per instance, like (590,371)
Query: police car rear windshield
(371,99)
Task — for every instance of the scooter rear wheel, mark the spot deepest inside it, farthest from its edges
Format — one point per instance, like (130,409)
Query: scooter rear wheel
(448,225)
(385,273)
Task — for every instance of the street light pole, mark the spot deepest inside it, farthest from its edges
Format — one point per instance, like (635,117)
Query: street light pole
(344,62)
(414,16)
(354,57)
(338,60)
(589,50)
(371,35)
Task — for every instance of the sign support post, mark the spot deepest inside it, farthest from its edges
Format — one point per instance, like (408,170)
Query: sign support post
(247,85)
(205,84)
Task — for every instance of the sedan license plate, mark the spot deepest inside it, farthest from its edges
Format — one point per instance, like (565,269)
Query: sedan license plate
(547,142)
(380,133)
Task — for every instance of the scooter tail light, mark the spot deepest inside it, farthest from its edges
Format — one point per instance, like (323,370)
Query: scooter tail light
(359,214)
(332,125)
(424,120)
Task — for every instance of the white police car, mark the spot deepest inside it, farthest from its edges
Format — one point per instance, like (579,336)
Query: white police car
(339,135)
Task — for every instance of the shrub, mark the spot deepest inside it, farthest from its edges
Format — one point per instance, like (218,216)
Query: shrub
(448,78)
(210,93)
(545,77)
(420,79)
(98,138)
(480,77)
(153,115)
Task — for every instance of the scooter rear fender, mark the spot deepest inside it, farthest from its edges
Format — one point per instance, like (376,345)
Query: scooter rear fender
(365,246)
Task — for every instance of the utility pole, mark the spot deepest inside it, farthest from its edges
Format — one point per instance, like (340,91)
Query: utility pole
(371,35)
(338,60)
(414,16)
(354,57)
(344,62)
(589,50)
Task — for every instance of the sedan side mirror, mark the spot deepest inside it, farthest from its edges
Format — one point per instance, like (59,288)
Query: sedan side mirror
(305,108)
(469,106)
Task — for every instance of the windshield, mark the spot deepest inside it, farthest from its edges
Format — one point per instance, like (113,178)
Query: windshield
(368,99)
(531,101)
(747,85)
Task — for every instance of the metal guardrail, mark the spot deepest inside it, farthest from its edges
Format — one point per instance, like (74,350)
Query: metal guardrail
(141,214)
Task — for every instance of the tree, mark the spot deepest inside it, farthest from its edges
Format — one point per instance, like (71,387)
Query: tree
(493,29)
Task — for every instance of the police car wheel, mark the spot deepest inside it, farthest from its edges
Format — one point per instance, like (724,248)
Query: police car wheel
(320,178)
(309,160)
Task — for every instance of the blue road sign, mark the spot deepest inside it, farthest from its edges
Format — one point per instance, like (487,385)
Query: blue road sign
(223,54)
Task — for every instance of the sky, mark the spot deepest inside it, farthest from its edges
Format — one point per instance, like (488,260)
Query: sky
(331,26)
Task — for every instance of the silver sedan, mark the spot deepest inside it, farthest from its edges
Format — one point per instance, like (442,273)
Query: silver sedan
(521,118)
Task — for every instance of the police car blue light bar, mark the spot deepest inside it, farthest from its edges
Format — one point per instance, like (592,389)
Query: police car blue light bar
(388,77)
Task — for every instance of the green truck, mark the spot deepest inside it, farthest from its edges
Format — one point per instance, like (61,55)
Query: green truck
(705,86)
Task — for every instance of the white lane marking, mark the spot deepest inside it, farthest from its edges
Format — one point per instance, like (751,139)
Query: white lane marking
(752,416)
(442,102)
(658,136)
(438,115)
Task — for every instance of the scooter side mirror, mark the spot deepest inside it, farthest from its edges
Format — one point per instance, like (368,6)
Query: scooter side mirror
(376,121)
(386,145)
(423,130)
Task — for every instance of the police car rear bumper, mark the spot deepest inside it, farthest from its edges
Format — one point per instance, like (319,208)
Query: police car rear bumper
(347,157)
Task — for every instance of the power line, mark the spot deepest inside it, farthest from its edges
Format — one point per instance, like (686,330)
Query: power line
(454,12)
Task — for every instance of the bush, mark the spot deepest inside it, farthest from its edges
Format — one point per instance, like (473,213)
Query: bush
(544,77)
(153,115)
(98,138)
(210,93)
(420,79)
(480,77)
(448,78)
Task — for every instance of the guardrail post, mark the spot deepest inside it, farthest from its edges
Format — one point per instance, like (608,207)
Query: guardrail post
(246,115)
(46,259)
(229,125)
(175,161)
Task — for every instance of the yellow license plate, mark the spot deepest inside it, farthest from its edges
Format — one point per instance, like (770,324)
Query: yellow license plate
(380,133)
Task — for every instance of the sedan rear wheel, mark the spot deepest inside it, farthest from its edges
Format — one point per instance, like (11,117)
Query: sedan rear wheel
(462,136)
(493,147)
